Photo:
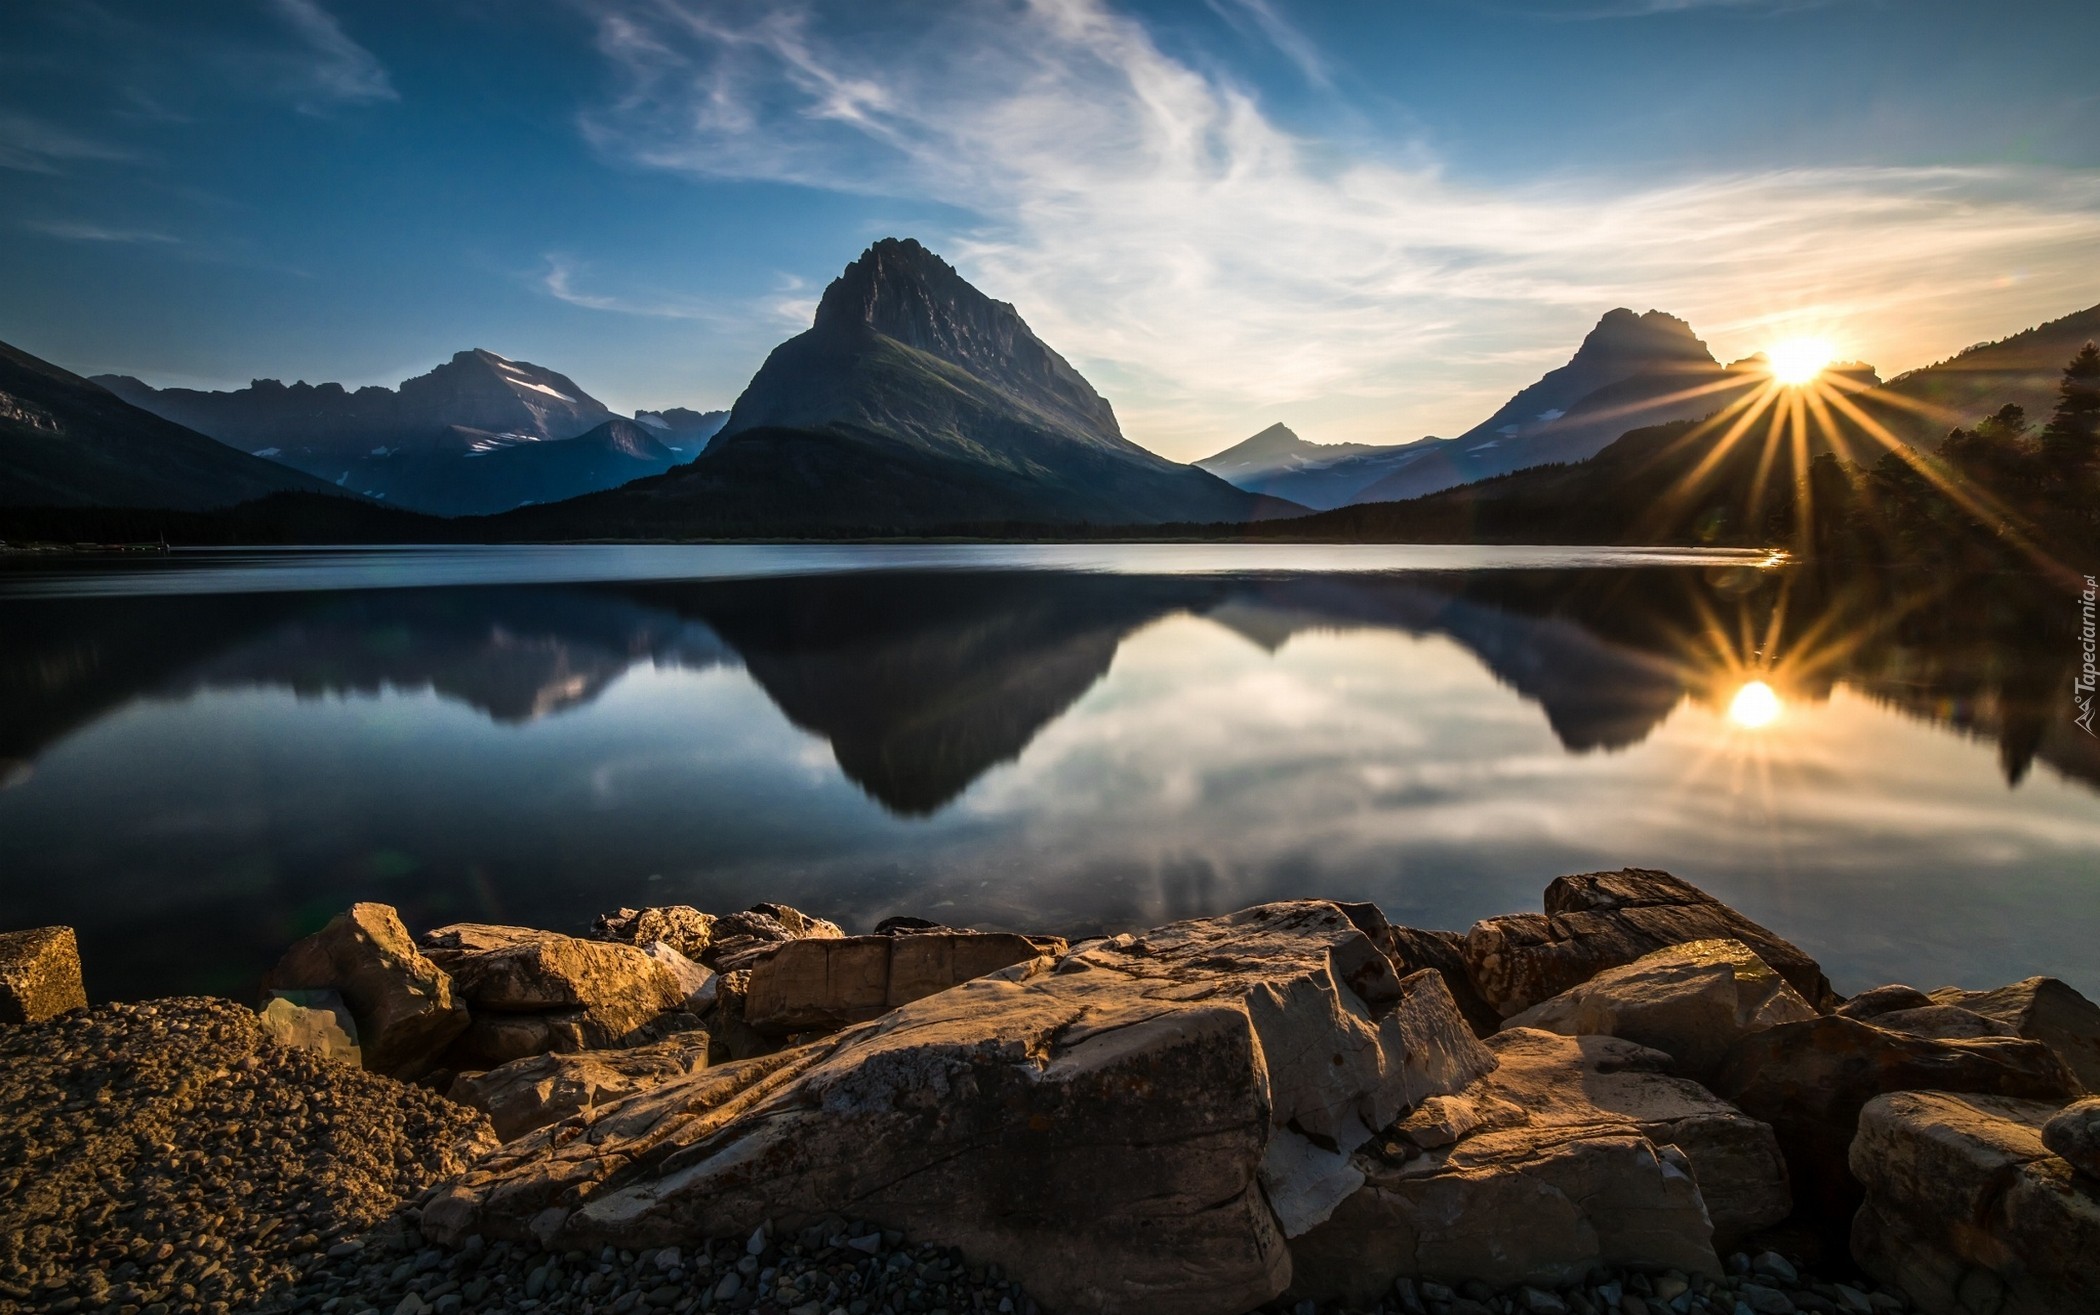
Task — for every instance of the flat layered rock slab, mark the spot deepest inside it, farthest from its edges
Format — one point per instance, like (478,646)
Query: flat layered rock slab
(1574,1152)
(1968,1210)
(1112,1132)
(1600,920)
(534,992)
(1690,1001)
(819,984)
(2041,1009)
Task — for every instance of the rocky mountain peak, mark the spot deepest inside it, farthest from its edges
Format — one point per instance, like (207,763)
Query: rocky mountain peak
(904,292)
(1656,336)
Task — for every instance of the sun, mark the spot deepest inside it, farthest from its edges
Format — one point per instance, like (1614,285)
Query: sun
(1755,706)
(1798,361)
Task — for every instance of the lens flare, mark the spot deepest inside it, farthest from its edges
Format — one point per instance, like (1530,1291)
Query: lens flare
(1799,361)
(1755,706)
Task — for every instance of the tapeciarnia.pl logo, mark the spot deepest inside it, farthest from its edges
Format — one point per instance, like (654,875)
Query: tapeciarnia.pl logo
(2082,687)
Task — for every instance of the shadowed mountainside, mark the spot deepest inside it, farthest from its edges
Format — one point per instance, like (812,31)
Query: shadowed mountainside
(65,442)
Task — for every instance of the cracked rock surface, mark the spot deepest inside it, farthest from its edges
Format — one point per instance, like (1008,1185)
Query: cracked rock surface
(1101,1127)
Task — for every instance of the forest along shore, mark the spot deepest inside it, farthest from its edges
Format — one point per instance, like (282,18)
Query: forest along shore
(1636,1100)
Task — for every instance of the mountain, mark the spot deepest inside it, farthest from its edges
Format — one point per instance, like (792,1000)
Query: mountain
(914,400)
(481,433)
(682,429)
(1679,483)
(1279,463)
(1630,372)
(64,442)
(1921,406)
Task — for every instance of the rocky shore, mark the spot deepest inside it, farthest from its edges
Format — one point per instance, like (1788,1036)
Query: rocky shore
(1636,1101)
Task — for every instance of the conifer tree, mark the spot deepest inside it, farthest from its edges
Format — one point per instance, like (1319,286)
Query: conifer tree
(2072,436)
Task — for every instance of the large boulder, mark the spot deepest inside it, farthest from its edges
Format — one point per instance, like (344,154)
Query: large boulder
(1603,920)
(403,1004)
(1810,1080)
(39,974)
(532,992)
(1574,1152)
(546,1089)
(2041,1009)
(1140,1127)
(824,984)
(2074,1133)
(742,939)
(1690,1001)
(1968,1212)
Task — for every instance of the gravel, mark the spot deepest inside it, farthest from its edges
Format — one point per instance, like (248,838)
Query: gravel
(837,1267)
(169,1157)
(1765,1284)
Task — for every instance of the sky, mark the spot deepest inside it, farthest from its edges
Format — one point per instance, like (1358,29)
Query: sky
(1371,221)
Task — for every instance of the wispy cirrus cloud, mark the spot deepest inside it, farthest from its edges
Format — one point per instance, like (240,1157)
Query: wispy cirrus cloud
(77,231)
(1212,269)
(32,145)
(561,277)
(336,70)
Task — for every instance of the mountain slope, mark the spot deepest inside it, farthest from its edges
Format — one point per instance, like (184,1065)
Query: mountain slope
(913,401)
(1631,371)
(1279,463)
(1921,406)
(64,442)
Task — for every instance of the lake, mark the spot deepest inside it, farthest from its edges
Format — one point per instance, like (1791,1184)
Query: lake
(205,755)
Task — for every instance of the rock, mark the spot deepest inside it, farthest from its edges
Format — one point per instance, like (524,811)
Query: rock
(1869,1005)
(697,982)
(1603,920)
(535,992)
(1111,1132)
(2042,1009)
(1809,1080)
(686,930)
(2074,1134)
(313,1020)
(1690,1001)
(1512,1206)
(824,984)
(1943,1022)
(742,939)
(1411,950)
(1967,1211)
(1544,1168)
(403,1003)
(537,1092)
(39,974)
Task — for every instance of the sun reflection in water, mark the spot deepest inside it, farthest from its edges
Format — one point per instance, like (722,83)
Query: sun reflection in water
(1755,706)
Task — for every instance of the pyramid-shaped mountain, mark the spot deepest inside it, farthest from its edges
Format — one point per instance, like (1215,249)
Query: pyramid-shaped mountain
(1631,371)
(914,400)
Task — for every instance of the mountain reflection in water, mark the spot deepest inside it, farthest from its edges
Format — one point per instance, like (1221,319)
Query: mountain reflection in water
(920,684)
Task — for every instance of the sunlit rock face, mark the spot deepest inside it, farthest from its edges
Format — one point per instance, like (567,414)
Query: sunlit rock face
(1139,1126)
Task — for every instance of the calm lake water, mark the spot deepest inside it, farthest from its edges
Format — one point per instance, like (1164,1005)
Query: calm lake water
(204,756)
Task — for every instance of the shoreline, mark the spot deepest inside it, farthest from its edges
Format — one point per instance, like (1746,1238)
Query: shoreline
(1650,1051)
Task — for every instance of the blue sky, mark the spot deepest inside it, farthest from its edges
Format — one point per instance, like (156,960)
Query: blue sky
(1372,221)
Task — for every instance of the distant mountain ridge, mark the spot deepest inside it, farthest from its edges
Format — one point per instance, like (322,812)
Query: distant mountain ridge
(914,400)
(1920,406)
(479,434)
(1279,463)
(67,442)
